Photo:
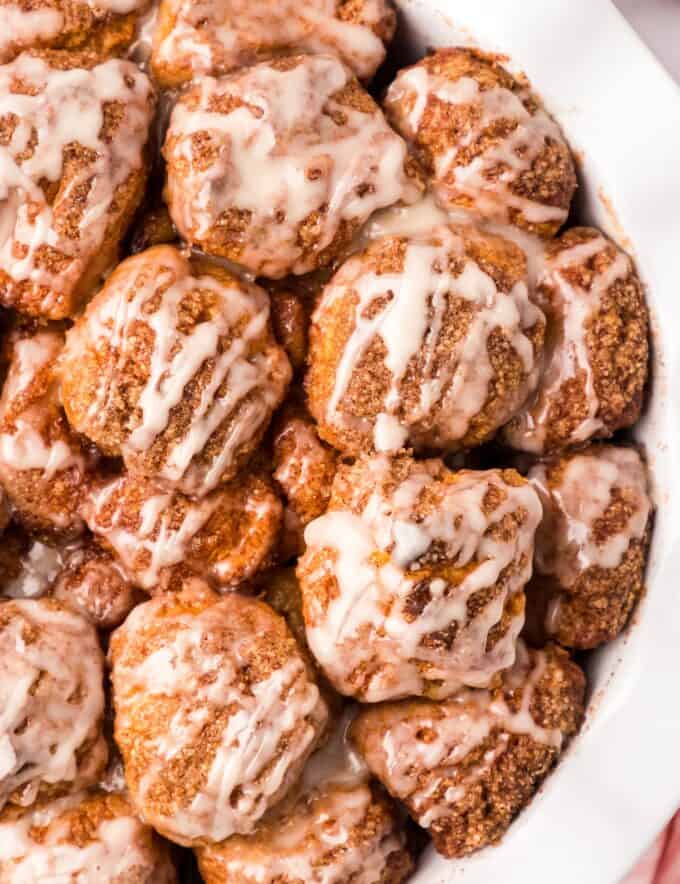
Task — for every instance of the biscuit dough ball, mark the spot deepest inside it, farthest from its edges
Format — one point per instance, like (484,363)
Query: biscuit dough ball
(85,836)
(591,546)
(216,712)
(484,140)
(158,536)
(277,166)
(104,28)
(211,37)
(412,582)
(51,701)
(466,767)
(597,350)
(42,463)
(68,191)
(304,468)
(428,341)
(336,827)
(174,366)
(93,584)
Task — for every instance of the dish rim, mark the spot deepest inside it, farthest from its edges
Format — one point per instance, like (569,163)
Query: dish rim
(629,729)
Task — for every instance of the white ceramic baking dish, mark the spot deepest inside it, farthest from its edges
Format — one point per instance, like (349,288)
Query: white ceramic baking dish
(620,779)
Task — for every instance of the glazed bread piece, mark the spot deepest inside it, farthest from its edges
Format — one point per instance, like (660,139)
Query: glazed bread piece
(52,701)
(304,468)
(43,464)
(413,580)
(79,574)
(335,827)
(104,27)
(429,341)
(277,166)
(592,543)
(597,350)
(92,583)
(484,140)
(466,767)
(72,173)
(194,39)
(159,536)
(77,837)
(216,712)
(174,366)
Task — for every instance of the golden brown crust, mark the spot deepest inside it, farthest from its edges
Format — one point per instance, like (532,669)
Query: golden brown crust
(603,392)
(264,29)
(109,370)
(66,273)
(352,428)
(43,463)
(226,537)
(204,169)
(501,773)
(72,27)
(444,127)
(372,837)
(582,594)
(252,653)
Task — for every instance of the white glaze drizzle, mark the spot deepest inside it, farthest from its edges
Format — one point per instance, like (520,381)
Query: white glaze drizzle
(491,194)
(425,215)
(565,544)
(254,755)
(159,538)
(241,32)
(569,310)
(289,150)
(24,446)
(120,849)
(418,770)
(409,326)
(375,556)
(319,836)
(67,108)
(51,697)
(26,28)
(151,289)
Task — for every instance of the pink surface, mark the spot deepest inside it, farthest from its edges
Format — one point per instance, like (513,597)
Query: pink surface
(661,863)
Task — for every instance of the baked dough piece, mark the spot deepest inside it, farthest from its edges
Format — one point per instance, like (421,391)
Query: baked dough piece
(429,341)
(72,173)
(304,468)
(597,350)
(466,767)
(216,712)
(277,166)
(336,827)
(85,836)
(174,366)
(43,464)
(52,701)
(413,580)
(217,36)
(591,545)
(484,140)
(159,536)
(103,27)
